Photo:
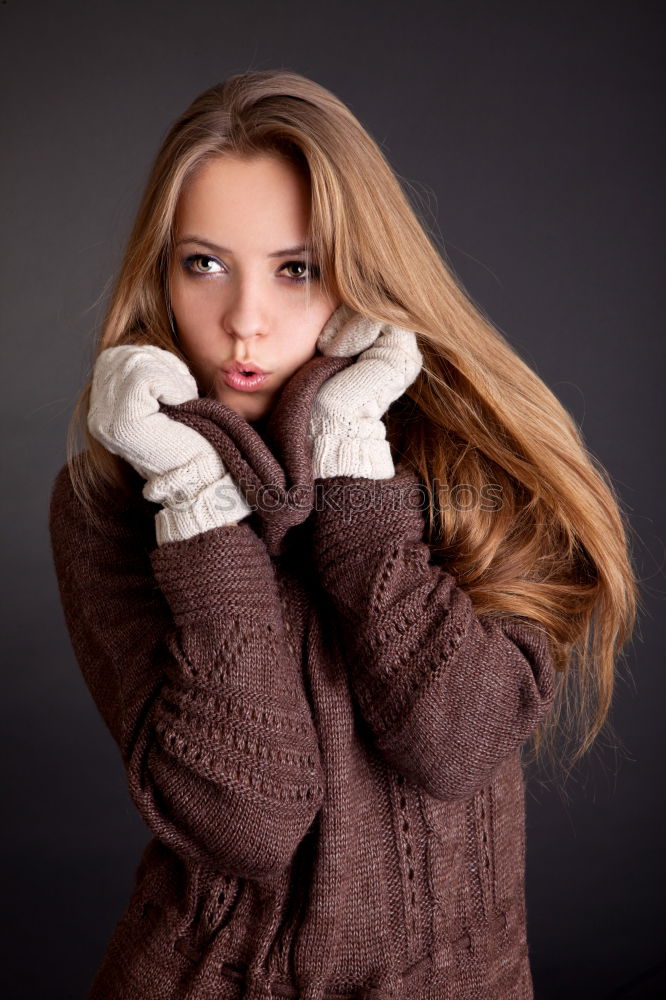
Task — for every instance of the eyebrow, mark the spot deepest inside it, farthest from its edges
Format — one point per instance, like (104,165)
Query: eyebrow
(218,249)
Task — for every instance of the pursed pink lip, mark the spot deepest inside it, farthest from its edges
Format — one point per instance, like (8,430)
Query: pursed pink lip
(243,383)
(244,366)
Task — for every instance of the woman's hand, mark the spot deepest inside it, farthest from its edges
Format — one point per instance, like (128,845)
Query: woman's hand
(183,470)
(346,429)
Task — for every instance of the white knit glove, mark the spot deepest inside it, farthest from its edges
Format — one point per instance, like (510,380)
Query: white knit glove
(184,472)
(347,432)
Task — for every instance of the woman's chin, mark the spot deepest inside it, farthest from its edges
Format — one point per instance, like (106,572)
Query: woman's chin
(251,406)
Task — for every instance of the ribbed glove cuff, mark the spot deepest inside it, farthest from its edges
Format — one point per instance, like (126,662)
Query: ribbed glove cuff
(216,505)
(369,458)
(180,485)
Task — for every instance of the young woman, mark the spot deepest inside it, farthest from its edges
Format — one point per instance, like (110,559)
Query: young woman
(332,557)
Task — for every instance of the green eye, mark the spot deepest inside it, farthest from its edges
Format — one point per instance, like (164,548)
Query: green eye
(189,263)
(313,271)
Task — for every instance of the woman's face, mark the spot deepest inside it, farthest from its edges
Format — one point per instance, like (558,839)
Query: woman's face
(234,281)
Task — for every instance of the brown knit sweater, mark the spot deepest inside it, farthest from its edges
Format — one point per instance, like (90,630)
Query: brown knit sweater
(321,735)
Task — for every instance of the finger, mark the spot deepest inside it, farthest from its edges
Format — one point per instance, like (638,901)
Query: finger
(167,378)
(158,444)
(365,389)
(398,348)
(347,333)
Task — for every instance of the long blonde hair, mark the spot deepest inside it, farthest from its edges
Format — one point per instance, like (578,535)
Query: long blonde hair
(554,550)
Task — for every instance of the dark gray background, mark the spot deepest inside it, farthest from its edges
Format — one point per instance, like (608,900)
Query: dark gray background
(531,136)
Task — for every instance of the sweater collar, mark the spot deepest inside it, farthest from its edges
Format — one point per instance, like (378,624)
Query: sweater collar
(275,453)
(284,429)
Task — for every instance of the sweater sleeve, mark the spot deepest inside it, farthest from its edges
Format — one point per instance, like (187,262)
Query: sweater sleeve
(184,651)
(447,694)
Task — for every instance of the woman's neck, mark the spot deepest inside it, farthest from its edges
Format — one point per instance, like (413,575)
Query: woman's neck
(260,424)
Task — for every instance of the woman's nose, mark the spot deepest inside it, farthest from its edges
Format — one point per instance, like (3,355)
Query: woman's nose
(245,313)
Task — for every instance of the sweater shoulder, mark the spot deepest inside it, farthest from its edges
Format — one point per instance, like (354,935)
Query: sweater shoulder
(107,510)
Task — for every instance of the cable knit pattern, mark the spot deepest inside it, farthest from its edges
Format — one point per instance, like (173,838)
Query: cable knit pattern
(320,734)
(448,695)
(222,756)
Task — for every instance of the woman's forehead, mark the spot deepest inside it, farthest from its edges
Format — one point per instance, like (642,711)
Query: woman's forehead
(238,192)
